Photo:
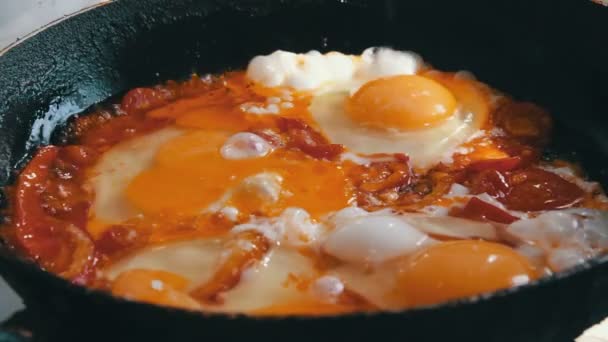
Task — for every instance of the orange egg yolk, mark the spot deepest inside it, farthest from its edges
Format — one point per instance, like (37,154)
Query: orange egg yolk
(157,287)
(405,102)
(455,269)
(190,174)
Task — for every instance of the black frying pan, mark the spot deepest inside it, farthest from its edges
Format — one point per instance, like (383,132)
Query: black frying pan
(550,51)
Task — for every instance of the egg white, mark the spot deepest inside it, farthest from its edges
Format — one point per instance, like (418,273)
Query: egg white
(261,286)
(330,78)
(118,166)
(425,147)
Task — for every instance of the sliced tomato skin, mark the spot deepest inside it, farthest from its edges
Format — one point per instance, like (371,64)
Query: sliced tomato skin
(114,240)
(35,231)
(480,210)
(140,99)
(303,137)
(502,164)
(492,182)
(31,182)
(536,189)
(529,189)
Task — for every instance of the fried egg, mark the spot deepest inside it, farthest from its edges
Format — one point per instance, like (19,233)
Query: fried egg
(383,101)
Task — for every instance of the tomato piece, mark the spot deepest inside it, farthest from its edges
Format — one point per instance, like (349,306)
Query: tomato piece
(479,210)
(246,248)
(492,182)
(530,189)
(119,129)
(302,139)
(78,155)
(61,247)
(36,233)
(88,274)
(536,189)
(140,99)
(31,182)
(501,164)
(81,250)
(78,215)
(306,139)
(381,176)
(115,239)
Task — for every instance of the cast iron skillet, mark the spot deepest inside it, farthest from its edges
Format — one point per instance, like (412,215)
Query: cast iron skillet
(549,51)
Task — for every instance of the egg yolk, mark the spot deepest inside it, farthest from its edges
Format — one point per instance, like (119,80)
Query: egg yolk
(157,287)
(190,174)
(455,269)
(405,102)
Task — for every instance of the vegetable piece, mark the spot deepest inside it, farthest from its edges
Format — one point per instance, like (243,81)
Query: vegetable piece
(35,232)
(380,176)
(529,189)
(307,140)
(492,182)
(244,249)
(32,181)
(116,239)
(82,253)
(536,189)
(58,246)
(479,210)
(501,164)
(140,99)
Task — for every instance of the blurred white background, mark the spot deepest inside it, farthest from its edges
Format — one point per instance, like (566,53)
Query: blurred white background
(20,17)
(17,19)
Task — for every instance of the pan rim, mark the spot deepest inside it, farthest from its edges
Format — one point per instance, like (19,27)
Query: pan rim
(7,254)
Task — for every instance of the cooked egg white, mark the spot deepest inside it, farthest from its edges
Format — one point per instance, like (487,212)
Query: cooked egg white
(115,170)
(333,71)
(566,237)
(376,102)
(425,147)
(263,285)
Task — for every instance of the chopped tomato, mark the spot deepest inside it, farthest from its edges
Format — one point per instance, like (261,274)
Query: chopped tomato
(536,189)
(530,189)
(115,239)
(381,176)
(479,210)
(32,181)
(35,231)
(492,182)
(502,164)
(119,129)
(78,154)
(306,139)
(246,248)
(140,99)
(44,238)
